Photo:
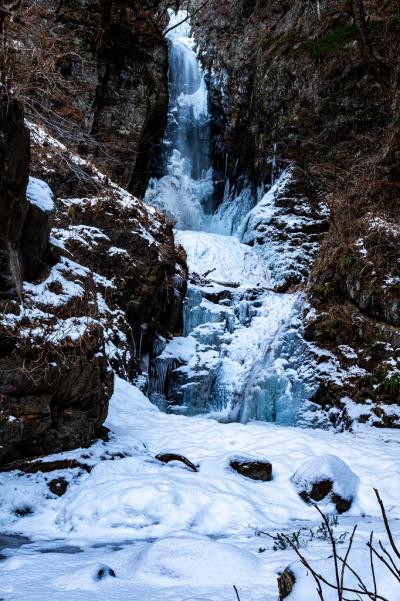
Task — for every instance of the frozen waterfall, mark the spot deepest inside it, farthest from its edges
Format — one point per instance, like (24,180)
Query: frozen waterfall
(240,356)
(185,192)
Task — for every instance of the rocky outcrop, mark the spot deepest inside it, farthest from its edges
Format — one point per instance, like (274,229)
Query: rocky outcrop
(97,79)
(114,280)
(54,380)
(14,207)
(111,277)
(53,393)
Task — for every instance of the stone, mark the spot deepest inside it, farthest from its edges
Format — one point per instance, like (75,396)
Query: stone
(326,478)
(250,467)
(104,572)
(58,486)
(286,582)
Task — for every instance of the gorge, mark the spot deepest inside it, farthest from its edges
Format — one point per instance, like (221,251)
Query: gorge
(199,299)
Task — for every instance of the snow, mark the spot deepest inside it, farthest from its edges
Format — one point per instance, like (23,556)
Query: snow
(279,228)
(327,467)
(39,194)
(180,348)
(170,533)
(224,257)
(190,563)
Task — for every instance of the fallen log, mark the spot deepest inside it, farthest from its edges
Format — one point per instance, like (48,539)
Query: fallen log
(168,457)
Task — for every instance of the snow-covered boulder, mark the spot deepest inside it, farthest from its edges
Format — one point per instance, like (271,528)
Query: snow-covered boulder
(251,467)
(38,223)
(328,478)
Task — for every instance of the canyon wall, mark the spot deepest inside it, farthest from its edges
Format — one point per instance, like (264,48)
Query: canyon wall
(95,73)
(89,276)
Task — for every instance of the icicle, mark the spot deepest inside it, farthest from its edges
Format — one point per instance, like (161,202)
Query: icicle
(273,164)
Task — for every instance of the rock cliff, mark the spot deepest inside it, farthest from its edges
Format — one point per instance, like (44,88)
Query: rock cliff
(89,275)
(95,73)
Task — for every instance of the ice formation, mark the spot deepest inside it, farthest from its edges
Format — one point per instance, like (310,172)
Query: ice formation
(240,356)
(185,192)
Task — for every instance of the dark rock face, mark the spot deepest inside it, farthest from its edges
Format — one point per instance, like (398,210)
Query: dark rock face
(256,469)
(53,395)
(54,379)
(105,92)
(24,226)
(36,232)
(112,277)
(14,171)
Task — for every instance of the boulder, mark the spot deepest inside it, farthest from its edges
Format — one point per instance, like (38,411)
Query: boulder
(326,478)
(286,582)
(38,222)
(58,486)
(251,467)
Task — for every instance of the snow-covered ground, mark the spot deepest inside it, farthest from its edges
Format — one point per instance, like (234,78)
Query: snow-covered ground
(169,533)
(224,257)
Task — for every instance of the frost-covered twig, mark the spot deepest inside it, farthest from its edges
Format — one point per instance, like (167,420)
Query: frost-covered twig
(362,591)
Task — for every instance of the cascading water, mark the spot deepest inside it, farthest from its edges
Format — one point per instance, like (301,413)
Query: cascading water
(185,192)
(241,354)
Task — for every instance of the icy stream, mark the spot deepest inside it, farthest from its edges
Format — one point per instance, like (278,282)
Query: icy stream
(240,352)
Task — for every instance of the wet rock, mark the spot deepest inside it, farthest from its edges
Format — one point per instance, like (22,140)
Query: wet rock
(326,478)
(58,486)
(104,572)
(250,467)
(286,582)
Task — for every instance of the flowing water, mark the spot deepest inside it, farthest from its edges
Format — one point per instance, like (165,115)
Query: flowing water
(185,192)
(240,355)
